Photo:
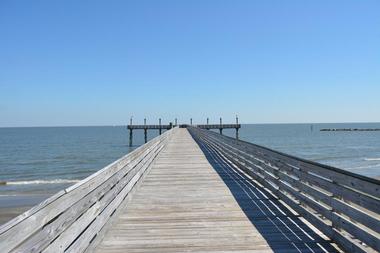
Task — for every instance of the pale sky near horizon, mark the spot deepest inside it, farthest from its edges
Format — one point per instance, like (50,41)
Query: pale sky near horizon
(99,62)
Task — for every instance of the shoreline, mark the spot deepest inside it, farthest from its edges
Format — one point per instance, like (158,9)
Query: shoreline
(8,213)
(12,206)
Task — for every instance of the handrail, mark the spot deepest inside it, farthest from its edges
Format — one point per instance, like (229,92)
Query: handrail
(343,205)
(71,219)
(135,127)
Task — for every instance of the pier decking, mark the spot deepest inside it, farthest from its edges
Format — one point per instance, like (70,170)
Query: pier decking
(191,203)
(193,190)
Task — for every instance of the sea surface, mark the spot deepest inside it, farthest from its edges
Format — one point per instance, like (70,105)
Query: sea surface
(43,160)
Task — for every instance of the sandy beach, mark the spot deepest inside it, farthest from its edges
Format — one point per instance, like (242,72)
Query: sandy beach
(13,205)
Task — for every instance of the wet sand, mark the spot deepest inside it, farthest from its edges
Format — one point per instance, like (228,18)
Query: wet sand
(13,205)
(8,213)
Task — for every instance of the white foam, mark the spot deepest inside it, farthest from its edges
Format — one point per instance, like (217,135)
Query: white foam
(54,181)
(372,159)
(365,167)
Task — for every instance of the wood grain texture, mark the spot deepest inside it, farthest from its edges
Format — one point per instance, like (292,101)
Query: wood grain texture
(194,201)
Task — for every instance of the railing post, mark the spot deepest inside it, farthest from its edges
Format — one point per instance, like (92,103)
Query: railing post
(334,196)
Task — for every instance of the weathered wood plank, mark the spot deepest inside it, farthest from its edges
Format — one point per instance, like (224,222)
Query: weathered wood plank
(362,234)
(77,228)
(356,214)
(86,237)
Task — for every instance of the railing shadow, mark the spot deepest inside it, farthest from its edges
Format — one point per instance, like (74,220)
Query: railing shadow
(283,230)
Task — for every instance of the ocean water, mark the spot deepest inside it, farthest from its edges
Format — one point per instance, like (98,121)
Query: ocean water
(46,159)
(355,151)
(43,160)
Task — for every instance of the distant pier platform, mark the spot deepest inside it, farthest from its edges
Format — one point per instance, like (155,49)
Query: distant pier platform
(169,126)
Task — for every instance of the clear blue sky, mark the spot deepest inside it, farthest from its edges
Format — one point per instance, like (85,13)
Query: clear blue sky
(98,62)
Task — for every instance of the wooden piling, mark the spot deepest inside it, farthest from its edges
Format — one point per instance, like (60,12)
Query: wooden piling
(145,132)
(159,123)
(130,133)
(220,128)
(130,137)
(237,129)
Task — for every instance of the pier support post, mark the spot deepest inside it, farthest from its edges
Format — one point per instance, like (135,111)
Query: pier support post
(175,122)
(159,123)
(191,121)
(207,125)
(237,129)
(130,137)
(130,132)
(220,127)
(145,132)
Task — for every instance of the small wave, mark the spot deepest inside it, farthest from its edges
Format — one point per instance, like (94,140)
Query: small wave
(54,181)
(372,159)
(365,167)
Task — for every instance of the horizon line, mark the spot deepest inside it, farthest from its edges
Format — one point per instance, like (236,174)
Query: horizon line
(265,123)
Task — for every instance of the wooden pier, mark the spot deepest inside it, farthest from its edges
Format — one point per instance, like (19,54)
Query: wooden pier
(146,127)
(193,190)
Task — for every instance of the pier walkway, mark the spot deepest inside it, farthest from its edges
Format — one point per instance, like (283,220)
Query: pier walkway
(192,203)
(193,190)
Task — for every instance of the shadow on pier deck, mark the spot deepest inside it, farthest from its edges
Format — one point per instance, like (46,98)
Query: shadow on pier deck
(283,230)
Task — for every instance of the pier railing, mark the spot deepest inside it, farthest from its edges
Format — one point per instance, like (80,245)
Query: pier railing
(167,127)
(342,205)
(73,219)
